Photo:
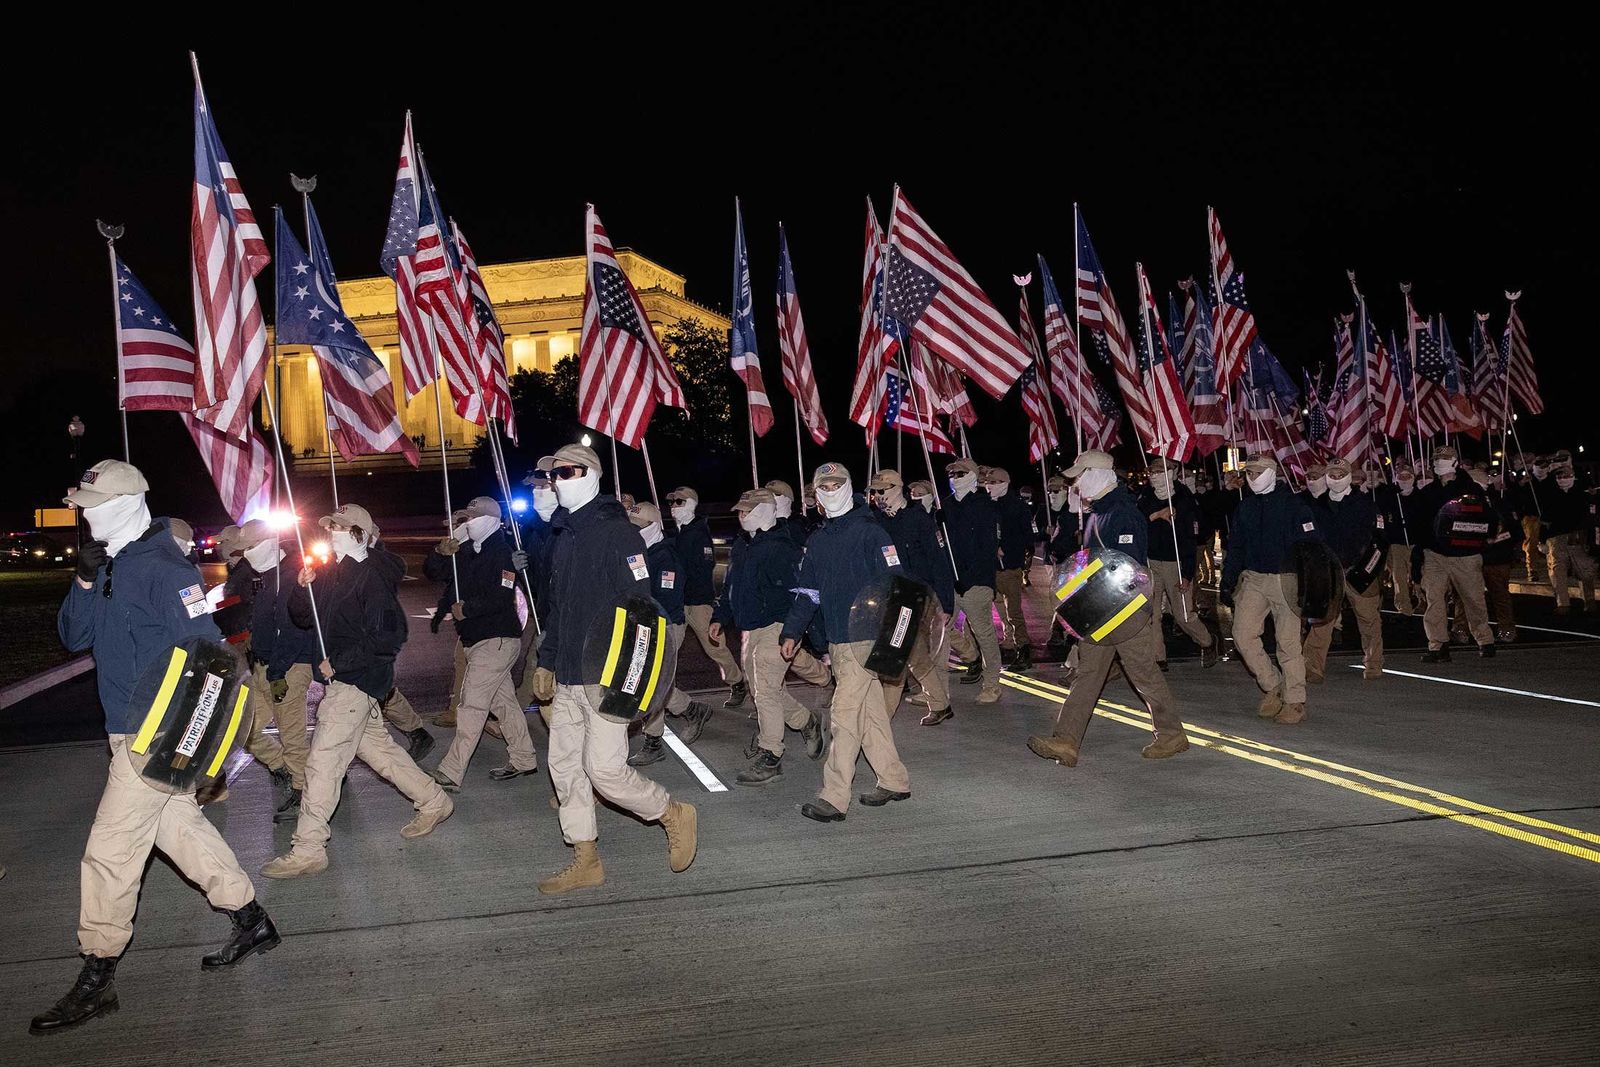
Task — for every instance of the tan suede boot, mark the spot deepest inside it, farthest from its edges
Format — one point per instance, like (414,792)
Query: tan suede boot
(1059,749)
(584,872)
(1291,714)
(1164,746)
(683,837)
(1271,704)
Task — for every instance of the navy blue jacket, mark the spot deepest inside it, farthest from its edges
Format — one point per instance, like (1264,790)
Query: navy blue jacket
(537,537)
(1117,523)
(274,638)
(795,530)
(971,525)
(363,624)
(699,559)
(1217,506)
(759,590)
(597,558)
(666,577)
(1063,535)
(1391,520)
(1565,511)
(1348,525)
(1183,506)
(1432,497)
(487,590)
(1016,531)
(841,558)
(1265,531)
(921,548)
(145,615)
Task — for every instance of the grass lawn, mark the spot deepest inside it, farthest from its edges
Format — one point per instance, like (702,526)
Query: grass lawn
(28,604)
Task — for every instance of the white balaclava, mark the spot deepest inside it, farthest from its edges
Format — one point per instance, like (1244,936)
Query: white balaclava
(963,483)
(1406,481)
(836,502)
(761,517)
(926,502)
(264,555)
(1262,483)
(479,527)
(1075,501)
(1318,485)
(1338,486)
(998,489)
(118,521)
(346,543)
(652,534)
(544,500)
(1161,482)
(1444,468)
(1058,499)
(1095,483)
(892,499)
(683,514)
(783,506)
(574,493)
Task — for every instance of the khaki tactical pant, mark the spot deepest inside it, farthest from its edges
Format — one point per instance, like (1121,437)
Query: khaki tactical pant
(485,689)
(930,658)
(1137,655)
(289,750)
(977,604)
(1258,596)
(1400,575)
(1497,585)
(1008,600)
(349,727)
(589,755)
(698,616)
(677,700)
(132,819)
(1367,607)
(765,668)
(860,723)
(1569,558)
(398,710)
(1178,602)
(1465,575)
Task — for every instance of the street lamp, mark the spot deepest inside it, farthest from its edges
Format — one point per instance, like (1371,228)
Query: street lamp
(75,430)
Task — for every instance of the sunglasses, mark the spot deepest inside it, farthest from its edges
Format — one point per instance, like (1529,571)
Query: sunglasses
(567,471)
(677,501)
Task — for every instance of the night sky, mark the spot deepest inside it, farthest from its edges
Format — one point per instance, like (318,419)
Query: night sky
(1452,154)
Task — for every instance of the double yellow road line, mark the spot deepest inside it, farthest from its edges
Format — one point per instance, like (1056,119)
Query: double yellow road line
(1516,826)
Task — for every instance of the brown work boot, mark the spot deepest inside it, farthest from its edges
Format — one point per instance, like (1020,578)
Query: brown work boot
(1291,714)
(446,719)
(584,872)
(1165,746)
(1271,704)
(492,728)
(990,694)
(1059,749)
(681,822)
(295,864)
(424,823)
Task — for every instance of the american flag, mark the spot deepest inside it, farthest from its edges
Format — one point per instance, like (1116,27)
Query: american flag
(356,387)
(911,412)
(1178,339)
(931,294)
(442,292)
(794,351)
(1488,377)
(1428,369)
(623,371)
(1070,378)
(875,346)
(1273,401)
(1351,432)
(242,471)
(226,252)
(1174,436)
(155,365)
(414,324)
(1042,433)
(488,340)
(1200,371)
(1317,424)
(1519,359)
(945,382)
(1097,312)
(1235,325)
(742,355)
(1385,397)
(1463,414)
(1107,431)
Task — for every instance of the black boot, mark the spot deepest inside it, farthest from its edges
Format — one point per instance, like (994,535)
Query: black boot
(973,673)
(652,751)
(289,807)
(1024,660)
(765,768)
(94,993)
(695,717)
(1437,655)
(283,781)
(736,694)
(421,743)
(252,932)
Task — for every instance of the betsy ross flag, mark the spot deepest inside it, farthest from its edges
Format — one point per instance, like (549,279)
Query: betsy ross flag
(1518,360)
(1042,433)
(1463,414)
(910,411)
(1097,312)
(488,340)
(226,252)
(1174,426)
(623,371)
(1235,324)
(155,365)
(937,302)
(356,387)
(793,349)
(742,355)
(1199,363)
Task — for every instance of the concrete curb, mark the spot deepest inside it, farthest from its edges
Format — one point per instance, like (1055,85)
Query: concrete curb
(20,691)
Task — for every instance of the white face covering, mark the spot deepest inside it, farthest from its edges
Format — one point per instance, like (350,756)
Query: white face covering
(760,517)
(1096,483)
(1338,488)
(835,502)
(1444,468)
(926,502)
(1481,477)
(574,493)
(652,534)
(1075,501)
(1317,486)
(892,499)
(784,506)
(962,484)
(1406,485)
(481,526)
(683,514)
(118,521)
(1058,500)
(1566,481)
(346,543)
(998,489)
(545,502)
(1263,482)
(264,555)
(1161,482)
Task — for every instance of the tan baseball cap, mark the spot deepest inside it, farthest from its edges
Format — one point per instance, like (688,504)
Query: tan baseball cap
(919,489)
(778,487)
(960,466)
(1338,468)
(1056,484)
(249,535)
(1317,470)
(580,455)
(348,517)
(227,539)
(683,492)
(180,528)
(831,472)
(886,479)
(1260,462)
(1091,460)
(995,475)
(484,506)
(751,499)
(642,515)
(106,480)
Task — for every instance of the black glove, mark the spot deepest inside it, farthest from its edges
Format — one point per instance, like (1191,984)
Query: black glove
(90,559)
(1225,597)
(435,622)
(519,560)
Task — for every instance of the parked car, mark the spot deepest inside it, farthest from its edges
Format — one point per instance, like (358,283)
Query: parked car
(34,549)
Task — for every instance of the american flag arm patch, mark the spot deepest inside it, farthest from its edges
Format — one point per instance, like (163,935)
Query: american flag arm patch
(636,564)
(508,579)
(890,556)
(669,579)
(195,601)
(1308,527)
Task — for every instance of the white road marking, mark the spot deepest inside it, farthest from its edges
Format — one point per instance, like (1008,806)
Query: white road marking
(1480,685)
(693,762)
(1520,626)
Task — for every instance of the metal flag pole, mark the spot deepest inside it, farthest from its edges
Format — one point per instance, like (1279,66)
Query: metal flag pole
(1510,416)
(927,458)
(1044,384)
(1172,494)
(799,455)
(111,233)
(649,472)
(1077,333)
(306,186)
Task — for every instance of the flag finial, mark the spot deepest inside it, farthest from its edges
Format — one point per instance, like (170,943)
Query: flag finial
(108,231)
(303,185)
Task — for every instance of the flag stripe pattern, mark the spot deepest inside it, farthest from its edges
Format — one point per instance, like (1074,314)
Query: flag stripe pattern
(1174,426)
(742,354)
(1518,358)
(1042,432)
(875,348)
(1097,312)
(398,260)
(487,339)
(794,352)
(1070,377)
(1235,324)
(156,366)
(1200,371)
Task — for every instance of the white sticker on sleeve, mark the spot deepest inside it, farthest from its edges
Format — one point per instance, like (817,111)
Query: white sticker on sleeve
(709,553)
(636,565)
(890,556)
(1380,522)
(1125,539)
(1308,527)
(669,579)
(508,579)
(195,601)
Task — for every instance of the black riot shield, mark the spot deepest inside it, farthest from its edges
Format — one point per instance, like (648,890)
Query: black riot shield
(192,705)
(1365,570)
(1102,595)
(1465,526)
(888,612)
(1319,578)
(629,660)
